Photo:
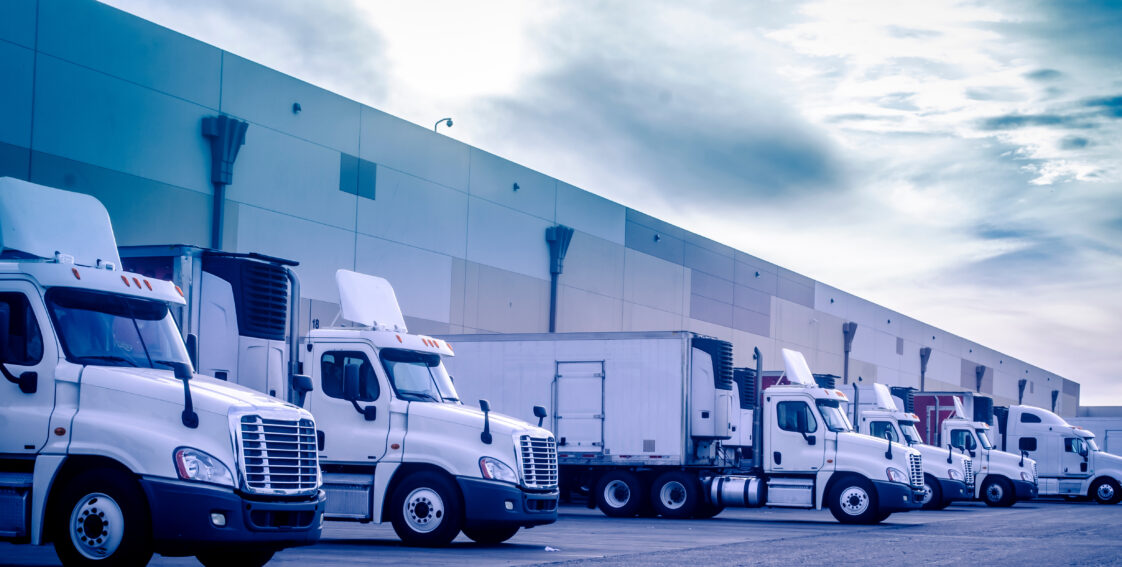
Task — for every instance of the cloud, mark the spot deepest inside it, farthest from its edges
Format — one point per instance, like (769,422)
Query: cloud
(1044,75)
(1109,107)
(1011,121)
(1074,143)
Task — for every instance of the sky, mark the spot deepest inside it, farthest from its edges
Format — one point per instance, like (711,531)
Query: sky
(958,162)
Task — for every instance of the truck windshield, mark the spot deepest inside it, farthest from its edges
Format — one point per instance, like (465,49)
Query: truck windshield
(910,433)
(106,329)
(984,439)
(833,416)
(418,376)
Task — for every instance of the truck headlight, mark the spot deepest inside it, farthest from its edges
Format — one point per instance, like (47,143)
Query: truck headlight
(1026,476)
(495,469)
(197,466)
(897,475)
(954,474)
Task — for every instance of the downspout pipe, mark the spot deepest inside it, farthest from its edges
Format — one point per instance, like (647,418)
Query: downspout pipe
(558,238)
(293,332)
(924,356)
(758,412)
(226,136)
(849,329)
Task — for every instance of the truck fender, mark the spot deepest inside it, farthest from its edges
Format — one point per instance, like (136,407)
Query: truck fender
(46,469)
(383,475)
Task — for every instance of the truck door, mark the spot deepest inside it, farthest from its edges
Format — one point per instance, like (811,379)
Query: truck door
(578,406)
(25,412)
(962,438)
(1072,459)
(790,449)
(346,436)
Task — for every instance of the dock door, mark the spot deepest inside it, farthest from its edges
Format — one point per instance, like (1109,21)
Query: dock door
(578,406)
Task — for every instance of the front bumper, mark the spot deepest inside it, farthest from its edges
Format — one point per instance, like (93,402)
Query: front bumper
(182,525)
(954,490)
(896,497)
(492,502)
(1025,490)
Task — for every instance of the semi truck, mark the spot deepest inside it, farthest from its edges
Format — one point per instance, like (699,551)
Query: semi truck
(113,448)
(948,476)
(654,423)
(1069,460)
(396,444)
(1001,478)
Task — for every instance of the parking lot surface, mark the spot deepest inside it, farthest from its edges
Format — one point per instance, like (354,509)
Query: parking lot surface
(1036,533)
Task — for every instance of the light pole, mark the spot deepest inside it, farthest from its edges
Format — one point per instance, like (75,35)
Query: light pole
(447,121)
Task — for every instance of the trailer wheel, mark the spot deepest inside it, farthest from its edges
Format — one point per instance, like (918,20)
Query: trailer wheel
(675,494)
(853,501)
(425,510)
(493,534)
(1105,491)
(932,494)
(227,558)
(102,519)
(998,492)
(619,494)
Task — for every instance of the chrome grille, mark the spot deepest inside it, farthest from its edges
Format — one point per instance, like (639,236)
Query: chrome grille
(1034,471)
(968,471)
(539,462)
(278,456)
(915,463)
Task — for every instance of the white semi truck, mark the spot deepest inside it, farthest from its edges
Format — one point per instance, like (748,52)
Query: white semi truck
(1069,460)
(652,422)
(111,447)
(1001,478)
(395,442)
(948,475)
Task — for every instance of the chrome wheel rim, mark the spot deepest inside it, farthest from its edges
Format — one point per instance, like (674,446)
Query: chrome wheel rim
(927,494)
(97,526)
(994,492)
(1105,491)
(617,494)
(424,510)
(854,501)
(672,495)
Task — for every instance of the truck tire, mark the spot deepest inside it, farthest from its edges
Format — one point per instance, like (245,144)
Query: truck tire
(491,534)
(619,494)
(854,501)
(998,492)
(425,510)
(675,494)
(102,519)
(932,494)
(254,558)
(1105,491)
(706,509)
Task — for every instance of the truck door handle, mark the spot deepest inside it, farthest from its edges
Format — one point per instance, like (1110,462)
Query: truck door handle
(777,457)
(321,439)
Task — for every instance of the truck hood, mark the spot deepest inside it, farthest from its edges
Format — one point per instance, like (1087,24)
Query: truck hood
(1107,462)
(1002,461)
(933,456)
(471,417)
(207,394)
(861,442)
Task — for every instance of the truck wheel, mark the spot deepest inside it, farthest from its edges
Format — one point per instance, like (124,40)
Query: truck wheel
(619,494)
(675,494)
(932,494)
(997,492)
(854,501)
(425,510)
(490,534)
(706,509)
(235,558)
(1105,491)
(101,519)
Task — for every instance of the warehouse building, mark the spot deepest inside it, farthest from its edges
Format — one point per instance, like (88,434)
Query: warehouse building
(151,122)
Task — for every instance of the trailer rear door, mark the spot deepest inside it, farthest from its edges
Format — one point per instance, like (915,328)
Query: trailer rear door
(578,406)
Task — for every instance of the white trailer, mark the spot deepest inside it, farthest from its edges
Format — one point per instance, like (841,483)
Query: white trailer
(652,422)
(1068,458)
(395,442)
(112,448)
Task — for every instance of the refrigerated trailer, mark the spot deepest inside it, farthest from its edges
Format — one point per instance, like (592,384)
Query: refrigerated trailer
(1001,478)
(112,447)
(654,422)
(395,442)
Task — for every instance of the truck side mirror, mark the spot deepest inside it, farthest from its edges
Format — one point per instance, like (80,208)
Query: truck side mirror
(539,412)
(301,385)
(192,343)
(485,407)
(350,382)
(370,413)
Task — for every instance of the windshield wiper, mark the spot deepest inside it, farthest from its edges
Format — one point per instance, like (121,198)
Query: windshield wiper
(109,358)
(423,395)
(169,363)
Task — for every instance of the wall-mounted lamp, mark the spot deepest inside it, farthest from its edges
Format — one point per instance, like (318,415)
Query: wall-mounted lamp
(446,121)
(657,238)
(516,187)
(296,108)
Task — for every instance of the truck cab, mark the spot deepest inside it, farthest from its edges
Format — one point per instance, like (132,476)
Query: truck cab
(1002,478)
(948,476)
(1069,460)
(112,447)
(395,441)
